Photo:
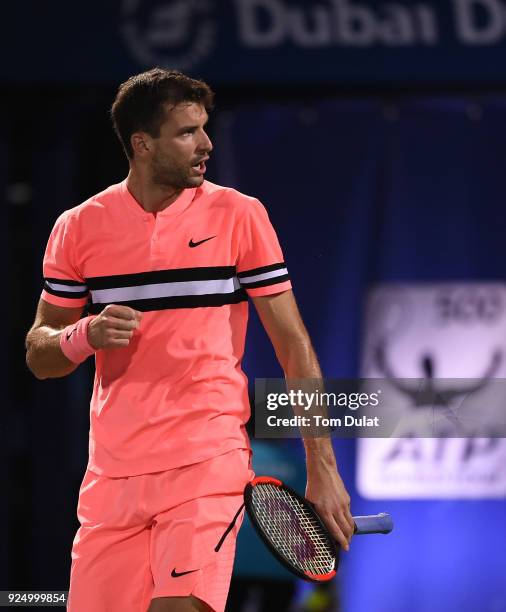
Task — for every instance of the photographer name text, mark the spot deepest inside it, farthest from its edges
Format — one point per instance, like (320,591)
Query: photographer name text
(317,420)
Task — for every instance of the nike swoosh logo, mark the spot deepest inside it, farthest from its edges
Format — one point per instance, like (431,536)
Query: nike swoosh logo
(70,333)
(175,574)
(192,244)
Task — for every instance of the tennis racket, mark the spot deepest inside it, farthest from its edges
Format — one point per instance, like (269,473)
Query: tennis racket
(294,533)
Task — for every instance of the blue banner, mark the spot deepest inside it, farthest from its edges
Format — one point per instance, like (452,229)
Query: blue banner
(365,198)
(258,41)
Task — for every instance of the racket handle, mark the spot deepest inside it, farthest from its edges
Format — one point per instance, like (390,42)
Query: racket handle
(376,523)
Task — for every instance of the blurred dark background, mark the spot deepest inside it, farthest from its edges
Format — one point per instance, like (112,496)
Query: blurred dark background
(374,133)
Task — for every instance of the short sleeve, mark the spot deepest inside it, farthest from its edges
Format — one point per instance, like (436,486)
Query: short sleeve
(63,284)
(260,265)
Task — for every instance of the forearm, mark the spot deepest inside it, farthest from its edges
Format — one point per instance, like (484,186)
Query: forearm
(300,361)
(289,337)
(303,372)
(325,487)
(44,356)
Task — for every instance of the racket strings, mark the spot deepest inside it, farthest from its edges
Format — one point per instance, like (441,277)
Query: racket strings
(293,531)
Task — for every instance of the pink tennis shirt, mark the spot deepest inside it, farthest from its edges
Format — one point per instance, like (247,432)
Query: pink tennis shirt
(177,394)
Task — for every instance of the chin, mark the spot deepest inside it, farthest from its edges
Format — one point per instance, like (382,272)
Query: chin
(195,181)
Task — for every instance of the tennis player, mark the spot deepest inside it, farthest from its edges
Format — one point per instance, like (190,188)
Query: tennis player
(152,276)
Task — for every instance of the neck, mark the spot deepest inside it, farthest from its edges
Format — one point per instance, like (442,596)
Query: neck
(153,198)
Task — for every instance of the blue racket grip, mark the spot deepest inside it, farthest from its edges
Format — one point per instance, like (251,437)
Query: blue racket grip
(376,523)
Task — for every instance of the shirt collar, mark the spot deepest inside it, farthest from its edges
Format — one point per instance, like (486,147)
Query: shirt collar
(177,207)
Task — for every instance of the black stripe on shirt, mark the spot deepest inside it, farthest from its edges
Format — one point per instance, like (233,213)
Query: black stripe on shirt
(179,301)
(267,281)
(160,276)
(71,295)
(262,270)
(61,281)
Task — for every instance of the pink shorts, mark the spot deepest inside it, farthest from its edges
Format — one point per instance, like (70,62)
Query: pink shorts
(158,535)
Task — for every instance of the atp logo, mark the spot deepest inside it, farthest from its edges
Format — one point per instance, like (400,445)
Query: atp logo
(426,396)
(177,34)
(440,350)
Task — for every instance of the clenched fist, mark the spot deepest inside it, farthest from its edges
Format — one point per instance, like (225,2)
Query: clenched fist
(113,327)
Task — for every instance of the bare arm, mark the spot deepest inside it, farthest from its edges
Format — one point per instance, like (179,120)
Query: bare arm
(44,357)
(282,321)
(112,328)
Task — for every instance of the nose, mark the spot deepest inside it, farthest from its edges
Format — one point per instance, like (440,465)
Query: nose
(205,144)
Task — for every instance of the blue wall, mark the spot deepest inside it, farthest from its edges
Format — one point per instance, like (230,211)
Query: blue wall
(363,192)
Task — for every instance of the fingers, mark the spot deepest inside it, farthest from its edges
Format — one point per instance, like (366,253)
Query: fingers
(340,523)
(121,324)
(337,531)
(349,519)
(122,312)
(114,327)
(345,526)
(117,343)
(119,334)
(344,517)
(327,492)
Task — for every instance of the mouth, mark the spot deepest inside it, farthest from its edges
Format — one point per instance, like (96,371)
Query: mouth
(200,167)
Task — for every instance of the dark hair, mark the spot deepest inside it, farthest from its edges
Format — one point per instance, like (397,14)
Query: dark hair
(139,103)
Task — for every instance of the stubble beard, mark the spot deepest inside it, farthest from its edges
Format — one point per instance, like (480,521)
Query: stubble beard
(166,173)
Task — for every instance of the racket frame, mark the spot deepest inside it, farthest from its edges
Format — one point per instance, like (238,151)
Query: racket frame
(317,578)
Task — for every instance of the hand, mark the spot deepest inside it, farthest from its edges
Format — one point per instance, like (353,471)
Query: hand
(326,491)
(113,327)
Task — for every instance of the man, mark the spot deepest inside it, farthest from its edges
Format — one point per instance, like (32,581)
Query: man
(165,261)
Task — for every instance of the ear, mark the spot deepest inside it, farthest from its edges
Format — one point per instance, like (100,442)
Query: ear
(141,143)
